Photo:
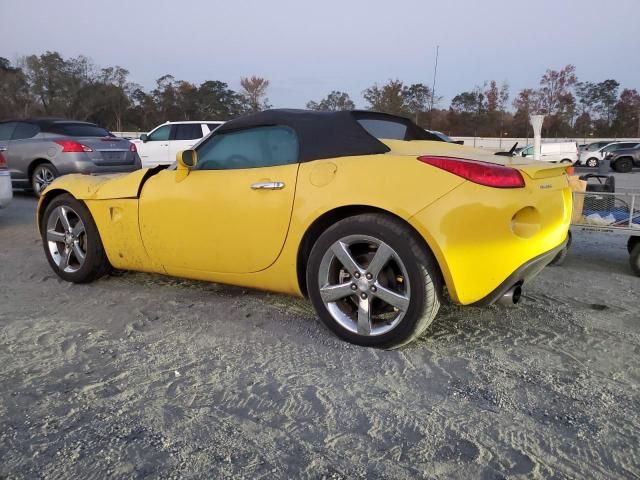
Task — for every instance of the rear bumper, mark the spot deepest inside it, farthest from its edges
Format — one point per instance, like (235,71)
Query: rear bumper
(481,236)
(80,163)
(6,192)
(522,275)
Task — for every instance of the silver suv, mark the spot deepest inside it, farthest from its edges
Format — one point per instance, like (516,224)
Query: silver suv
(39,150)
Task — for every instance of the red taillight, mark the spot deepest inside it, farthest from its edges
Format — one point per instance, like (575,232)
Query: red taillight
(3,162)
(488,174)
(73,146)
(133,148)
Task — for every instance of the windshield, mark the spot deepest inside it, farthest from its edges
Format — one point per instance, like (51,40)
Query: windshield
(593,147)
(611,147)
(79,130)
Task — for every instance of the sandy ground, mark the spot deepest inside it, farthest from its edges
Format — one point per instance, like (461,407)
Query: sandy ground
(140,376)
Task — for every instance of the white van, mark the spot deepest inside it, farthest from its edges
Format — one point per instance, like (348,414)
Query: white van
(563,152)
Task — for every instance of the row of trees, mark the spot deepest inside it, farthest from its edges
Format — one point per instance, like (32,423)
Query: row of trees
(51,85)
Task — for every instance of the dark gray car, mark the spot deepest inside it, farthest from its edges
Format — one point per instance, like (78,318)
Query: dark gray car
(39,150)
(625,159)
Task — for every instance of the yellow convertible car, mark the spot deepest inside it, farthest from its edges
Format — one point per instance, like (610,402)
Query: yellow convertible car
(365,213)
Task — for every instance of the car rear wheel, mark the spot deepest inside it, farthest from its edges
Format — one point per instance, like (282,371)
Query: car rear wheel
(71,241)
(634,259)
(42,176)
(592,162)
(566,160)
(372,283)
(623,165)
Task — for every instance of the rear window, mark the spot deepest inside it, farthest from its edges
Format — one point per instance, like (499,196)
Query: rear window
(79,130)
(384,128)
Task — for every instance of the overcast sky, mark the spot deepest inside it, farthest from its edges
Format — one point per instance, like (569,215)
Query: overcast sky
(308,48)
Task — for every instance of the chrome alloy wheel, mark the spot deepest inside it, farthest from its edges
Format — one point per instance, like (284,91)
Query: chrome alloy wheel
(66,239)
(42,178)
(364,285)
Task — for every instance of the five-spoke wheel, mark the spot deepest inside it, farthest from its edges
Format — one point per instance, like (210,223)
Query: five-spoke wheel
(372,282)
(364,285)
(66,239)
(71,240)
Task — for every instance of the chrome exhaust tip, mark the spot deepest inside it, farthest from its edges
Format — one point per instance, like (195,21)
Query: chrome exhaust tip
(511,297)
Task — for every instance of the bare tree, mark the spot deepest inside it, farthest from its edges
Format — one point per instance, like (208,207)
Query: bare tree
(254,90)
(555,89)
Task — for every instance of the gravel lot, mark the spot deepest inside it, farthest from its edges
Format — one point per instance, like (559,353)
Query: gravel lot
(141,375)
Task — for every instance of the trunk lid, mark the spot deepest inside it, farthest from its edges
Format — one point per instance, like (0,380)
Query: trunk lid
(534,169)
(108,151)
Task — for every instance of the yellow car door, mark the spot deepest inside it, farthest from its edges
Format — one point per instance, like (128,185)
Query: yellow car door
(231,212)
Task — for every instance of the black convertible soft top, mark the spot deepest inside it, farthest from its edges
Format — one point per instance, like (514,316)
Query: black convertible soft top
(329,134)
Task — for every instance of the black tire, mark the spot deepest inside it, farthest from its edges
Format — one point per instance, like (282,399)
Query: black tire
(95,263)
(42,176)
(634,259)
(592,162)
(622,165)
(424,280)
(566,160)
(632,242)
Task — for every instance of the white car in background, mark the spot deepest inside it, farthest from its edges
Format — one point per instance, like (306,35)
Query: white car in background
(160,145)
(562,152)
(591,158)
(6,190)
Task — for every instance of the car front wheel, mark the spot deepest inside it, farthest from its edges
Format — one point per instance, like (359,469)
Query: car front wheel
(71,241)
(623,165)
(372,282)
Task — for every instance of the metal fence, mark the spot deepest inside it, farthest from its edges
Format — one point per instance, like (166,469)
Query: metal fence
(611,212)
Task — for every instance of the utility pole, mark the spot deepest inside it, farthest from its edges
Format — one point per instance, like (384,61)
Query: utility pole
(433,87)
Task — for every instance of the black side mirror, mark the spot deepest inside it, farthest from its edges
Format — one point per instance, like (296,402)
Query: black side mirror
(144,137)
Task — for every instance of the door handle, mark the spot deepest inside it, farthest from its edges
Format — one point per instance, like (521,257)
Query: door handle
(267,186)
